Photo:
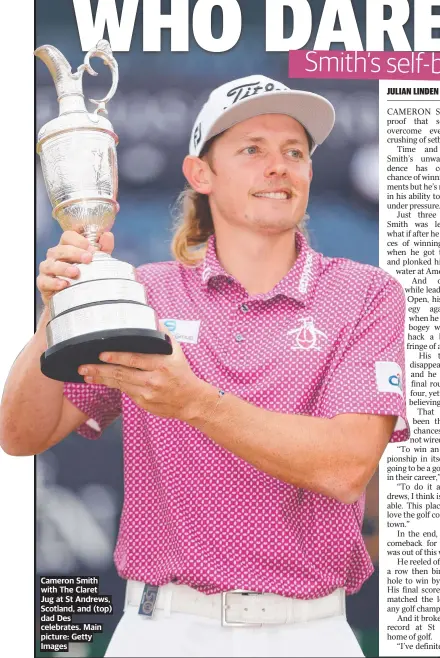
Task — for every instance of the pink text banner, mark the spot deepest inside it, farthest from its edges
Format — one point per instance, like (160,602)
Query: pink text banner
(364,65)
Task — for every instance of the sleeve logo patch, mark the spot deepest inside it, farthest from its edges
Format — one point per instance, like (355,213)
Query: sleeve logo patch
(389,377)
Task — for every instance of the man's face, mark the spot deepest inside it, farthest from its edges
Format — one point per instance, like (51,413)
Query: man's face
(260,173)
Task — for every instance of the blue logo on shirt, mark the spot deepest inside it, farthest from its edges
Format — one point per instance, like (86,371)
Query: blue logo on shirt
(395,380)
(171,325)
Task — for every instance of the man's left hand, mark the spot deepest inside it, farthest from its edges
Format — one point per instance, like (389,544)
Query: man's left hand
(163,385)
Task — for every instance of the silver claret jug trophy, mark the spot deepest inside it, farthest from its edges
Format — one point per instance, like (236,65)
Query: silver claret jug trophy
(104,308)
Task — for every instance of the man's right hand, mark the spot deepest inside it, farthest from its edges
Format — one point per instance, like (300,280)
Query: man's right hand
(61,260)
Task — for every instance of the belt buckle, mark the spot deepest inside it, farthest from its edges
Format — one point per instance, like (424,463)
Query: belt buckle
(148,601)
(225,605)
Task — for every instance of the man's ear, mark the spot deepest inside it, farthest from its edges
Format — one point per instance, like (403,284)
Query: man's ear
(198,174)
(311,171)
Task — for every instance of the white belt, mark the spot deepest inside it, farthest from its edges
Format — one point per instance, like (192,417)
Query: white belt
(239,607)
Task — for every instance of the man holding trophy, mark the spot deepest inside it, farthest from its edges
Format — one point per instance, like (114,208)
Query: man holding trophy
(254,424)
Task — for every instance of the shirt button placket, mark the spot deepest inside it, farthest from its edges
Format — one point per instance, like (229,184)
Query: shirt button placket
(239,337)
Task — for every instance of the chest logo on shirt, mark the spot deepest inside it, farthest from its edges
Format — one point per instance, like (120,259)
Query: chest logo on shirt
(307,336)
(184,331)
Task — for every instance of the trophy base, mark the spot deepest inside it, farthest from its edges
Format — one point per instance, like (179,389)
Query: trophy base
(61,362)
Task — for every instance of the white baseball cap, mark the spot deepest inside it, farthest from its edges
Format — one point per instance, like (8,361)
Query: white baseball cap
(248,97)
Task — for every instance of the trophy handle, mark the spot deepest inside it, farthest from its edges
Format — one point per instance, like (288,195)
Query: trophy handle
(104,51)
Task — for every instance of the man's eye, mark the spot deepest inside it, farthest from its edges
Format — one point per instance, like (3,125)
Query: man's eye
(251,150)
(294,153)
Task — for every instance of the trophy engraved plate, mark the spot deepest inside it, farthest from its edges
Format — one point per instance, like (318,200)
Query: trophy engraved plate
(108,311)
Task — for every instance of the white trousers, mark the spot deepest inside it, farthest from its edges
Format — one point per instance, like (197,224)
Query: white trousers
(177,634)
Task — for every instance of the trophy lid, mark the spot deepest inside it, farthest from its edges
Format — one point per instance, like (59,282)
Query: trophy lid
(73,114)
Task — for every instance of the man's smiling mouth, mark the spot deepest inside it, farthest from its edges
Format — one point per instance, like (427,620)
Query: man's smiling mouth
(283,195)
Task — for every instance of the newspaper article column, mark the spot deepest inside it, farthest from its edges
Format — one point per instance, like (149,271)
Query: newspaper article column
(409,234)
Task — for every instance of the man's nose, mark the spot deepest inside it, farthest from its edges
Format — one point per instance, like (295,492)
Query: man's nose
(275,166)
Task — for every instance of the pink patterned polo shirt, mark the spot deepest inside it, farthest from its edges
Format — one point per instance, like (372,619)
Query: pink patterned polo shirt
(328,339)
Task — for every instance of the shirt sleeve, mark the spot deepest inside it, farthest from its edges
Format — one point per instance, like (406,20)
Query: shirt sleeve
(101,404)
(369,375)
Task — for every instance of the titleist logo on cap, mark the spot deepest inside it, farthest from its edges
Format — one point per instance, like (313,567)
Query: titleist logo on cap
(247,89)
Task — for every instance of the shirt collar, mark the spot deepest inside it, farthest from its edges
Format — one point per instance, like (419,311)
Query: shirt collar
(298,283)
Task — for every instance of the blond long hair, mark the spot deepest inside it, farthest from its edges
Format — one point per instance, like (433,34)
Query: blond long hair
(192,227)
